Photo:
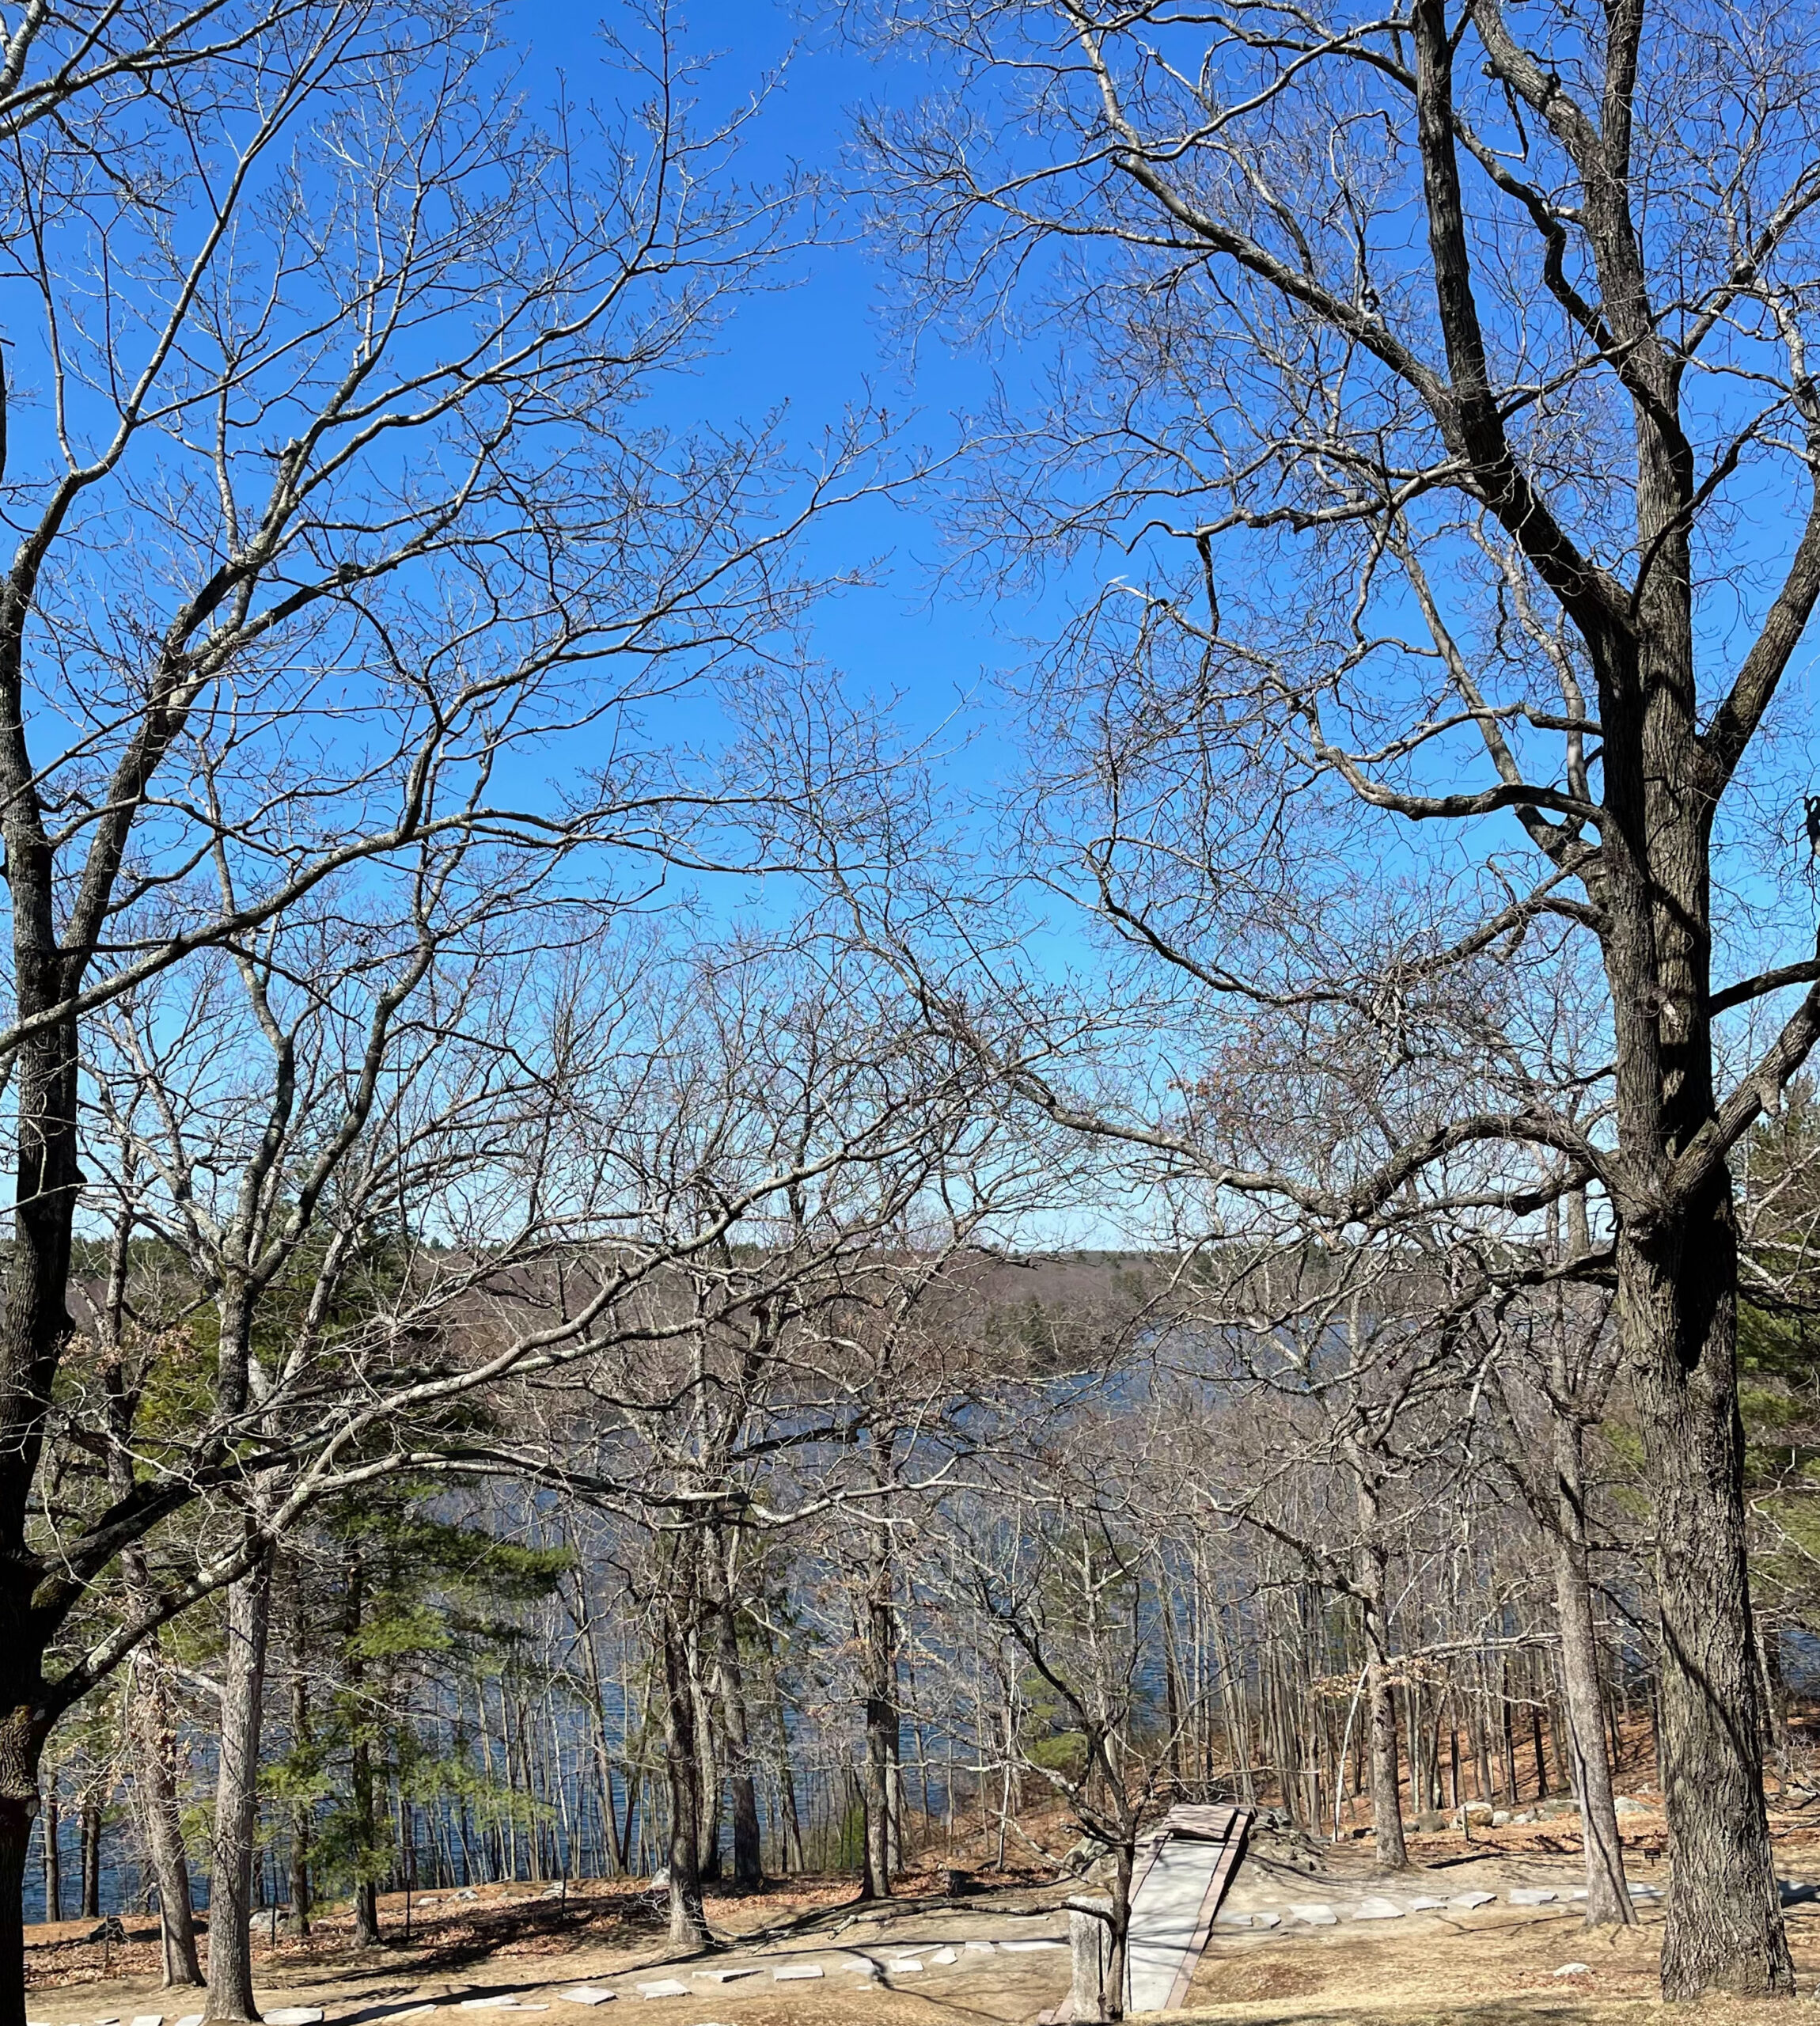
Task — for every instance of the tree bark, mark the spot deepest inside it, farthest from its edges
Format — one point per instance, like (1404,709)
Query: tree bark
(729,1694)
(231,1993)
(53,1856)
(1607,1895)
(1678,1313)
(91,1824)
(150,1730)
(688,1925)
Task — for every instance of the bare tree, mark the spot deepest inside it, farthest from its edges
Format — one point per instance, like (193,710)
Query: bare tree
(1421,542)
(330,516)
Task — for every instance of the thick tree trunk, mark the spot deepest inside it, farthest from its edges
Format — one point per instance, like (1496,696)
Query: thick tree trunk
(1380,1689)
(230,1994)
(1677,1309)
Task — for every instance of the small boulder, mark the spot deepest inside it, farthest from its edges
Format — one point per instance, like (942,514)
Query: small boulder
(1625,1805)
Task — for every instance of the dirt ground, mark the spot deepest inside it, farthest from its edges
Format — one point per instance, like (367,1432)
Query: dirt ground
(1492,1965)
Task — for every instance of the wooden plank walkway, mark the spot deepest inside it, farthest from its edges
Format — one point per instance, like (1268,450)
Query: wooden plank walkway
(1193,1853)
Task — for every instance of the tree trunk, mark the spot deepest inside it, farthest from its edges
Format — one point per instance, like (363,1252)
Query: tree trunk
(729,1694)
(230,1994)
(360,1753)
(1677,1308)
(1380,1691)
(884,1735)
(53,1856)
(300,1812)
(688,1922)
(150,1731)
(91,1825)
(1608,1897)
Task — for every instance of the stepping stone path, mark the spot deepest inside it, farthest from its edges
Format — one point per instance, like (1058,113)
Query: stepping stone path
(1377,1909)
(795,1972)
(1315,1916)
(1532,1895)
(1470,1900)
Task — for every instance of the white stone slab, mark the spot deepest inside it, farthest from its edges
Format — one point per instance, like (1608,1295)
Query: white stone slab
(193,2019)
(1233,1920)
(726,1974)
(1646,1893)
(945,1956)
(664,1987)
(1315,1916)
(1266,1920)
(1532,1895)
(904,1966)
(980,1947)
(148,2019)
(794,1972)
(1377,1909)
(1573,1969)
(1027,1946)
(1426,1903)
(295,2015)
(589,1994)
(1470,1900)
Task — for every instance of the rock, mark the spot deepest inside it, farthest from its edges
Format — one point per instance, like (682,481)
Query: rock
(905,1966)
(1314,1917)
(1028,1945)
(1499,1817)
(663,1987)
(1532,1895)
(558,1891)
(1475,1814)
(1081,1859)
(148,2019)
(1574,1970)
(1426,1905)
(1430,1822)
(793,1973)
(1377,1909)
(1523,1820)
(1470,1900)
(1558,1809)
(1626,1804)
(725,1976)
(1266,1920)
(589,1995)
(945,1956)
(305,2014)
(661,1879)
(979,1948)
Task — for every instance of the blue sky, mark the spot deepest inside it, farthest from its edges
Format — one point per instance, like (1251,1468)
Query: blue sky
(821,345)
